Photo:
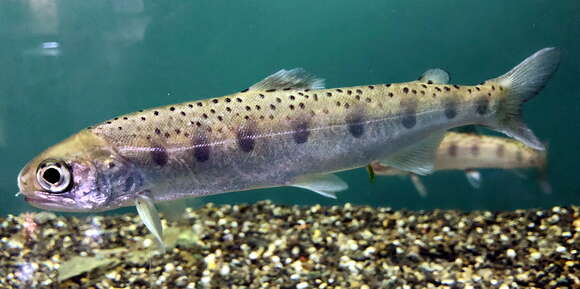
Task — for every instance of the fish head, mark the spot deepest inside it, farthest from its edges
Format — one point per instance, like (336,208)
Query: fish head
(81,174)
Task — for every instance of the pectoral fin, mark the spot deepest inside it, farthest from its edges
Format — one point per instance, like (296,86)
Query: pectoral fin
(326,185)
(418,158)
(150,217)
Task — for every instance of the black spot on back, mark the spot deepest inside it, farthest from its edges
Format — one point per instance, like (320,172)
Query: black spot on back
(450,108)
(301,132)
(409,109)
(356,125)
(159,155)
(482,105)
(246,138)
(201,148)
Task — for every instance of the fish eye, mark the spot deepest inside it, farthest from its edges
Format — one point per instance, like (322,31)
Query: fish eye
(53,176)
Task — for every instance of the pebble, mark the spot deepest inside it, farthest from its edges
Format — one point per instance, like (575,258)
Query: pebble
(271,246)
(302,285)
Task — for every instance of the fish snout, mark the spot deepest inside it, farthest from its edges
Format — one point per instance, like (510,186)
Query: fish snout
(22,179)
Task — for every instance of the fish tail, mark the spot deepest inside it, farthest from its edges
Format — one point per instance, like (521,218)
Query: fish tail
(521,84)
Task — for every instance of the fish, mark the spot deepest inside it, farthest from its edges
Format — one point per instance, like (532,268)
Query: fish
(286,130)
(470,152)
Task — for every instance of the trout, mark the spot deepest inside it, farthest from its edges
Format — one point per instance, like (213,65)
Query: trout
(469,152)
(286,130)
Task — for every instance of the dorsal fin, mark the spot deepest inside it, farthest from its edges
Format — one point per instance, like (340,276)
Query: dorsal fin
(435,76)
(296,78)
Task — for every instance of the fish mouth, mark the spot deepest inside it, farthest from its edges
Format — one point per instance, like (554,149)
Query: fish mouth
(47,202)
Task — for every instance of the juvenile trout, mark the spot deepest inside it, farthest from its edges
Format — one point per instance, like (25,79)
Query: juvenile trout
(286,130)
(469,152)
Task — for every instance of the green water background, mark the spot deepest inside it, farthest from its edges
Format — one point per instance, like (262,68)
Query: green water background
(115,57)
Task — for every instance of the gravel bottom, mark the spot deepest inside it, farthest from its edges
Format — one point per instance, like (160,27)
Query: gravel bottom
(265,245)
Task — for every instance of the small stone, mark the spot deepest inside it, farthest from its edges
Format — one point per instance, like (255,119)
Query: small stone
(302,285)
(169,267)
(511,253)
(147,243)
(225,270)
(181,281)
(205,280)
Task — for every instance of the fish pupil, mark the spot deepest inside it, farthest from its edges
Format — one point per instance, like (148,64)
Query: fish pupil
(51,175)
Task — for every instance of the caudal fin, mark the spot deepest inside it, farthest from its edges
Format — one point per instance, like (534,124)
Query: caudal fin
(521,84)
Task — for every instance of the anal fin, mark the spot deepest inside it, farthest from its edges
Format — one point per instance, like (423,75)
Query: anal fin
(326,185)
(417,158)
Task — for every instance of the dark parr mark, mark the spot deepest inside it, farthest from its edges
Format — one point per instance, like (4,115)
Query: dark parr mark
(159,156)
(482,105)
(452,150)
(409,109)
(450,108)
(246,138)
(500,150)
(201,148)
(475,150)
(301,132)
(519,157)
(356,125)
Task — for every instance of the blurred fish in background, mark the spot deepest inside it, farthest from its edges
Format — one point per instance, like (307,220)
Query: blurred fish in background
(470,152)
